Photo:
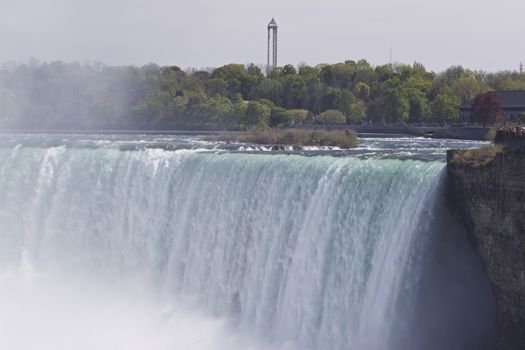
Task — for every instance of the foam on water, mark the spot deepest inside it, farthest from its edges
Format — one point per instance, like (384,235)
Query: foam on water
(163,249)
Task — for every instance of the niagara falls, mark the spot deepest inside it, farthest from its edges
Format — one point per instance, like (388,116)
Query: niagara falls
(270,175)
(119,241)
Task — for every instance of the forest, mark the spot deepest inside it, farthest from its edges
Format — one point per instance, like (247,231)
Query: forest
(59,95)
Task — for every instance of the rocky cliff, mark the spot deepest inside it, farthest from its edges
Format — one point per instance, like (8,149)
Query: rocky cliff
(486,192)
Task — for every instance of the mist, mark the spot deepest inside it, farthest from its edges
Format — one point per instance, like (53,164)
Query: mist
(59,313)
(60,95)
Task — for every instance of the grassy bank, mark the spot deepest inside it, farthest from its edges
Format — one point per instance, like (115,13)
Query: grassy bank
(475,157)
(294,137)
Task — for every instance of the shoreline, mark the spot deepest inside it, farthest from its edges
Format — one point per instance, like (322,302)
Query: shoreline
(448,132)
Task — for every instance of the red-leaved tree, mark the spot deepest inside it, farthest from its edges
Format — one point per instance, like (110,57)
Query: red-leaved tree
(486,108)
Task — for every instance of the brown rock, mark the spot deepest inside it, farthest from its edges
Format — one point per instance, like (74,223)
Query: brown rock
(486,192)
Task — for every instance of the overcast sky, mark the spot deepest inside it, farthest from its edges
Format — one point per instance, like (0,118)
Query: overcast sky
(478,34)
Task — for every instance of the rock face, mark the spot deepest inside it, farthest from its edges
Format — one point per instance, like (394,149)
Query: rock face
(486,192)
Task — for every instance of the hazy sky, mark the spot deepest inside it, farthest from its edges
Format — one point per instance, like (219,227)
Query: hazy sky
(479,34)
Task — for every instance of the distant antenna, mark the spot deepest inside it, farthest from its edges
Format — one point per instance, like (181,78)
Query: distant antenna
(521,67)
(390,55)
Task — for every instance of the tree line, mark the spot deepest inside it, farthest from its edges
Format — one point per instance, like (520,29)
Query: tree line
(236,96)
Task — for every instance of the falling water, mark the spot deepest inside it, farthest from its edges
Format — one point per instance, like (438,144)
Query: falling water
(213,249)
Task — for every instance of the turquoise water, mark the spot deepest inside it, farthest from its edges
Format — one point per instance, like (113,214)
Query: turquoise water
(315,249)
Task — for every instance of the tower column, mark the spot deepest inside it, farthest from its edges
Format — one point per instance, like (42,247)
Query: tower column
(272,35)
(275,47)
(268,60)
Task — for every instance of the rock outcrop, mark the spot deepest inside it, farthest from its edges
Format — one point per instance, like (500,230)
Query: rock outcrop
(486,192)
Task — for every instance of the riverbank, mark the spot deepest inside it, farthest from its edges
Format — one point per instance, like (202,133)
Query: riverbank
(447,132)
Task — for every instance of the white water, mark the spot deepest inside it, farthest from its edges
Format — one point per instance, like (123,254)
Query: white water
(157,249)
(40,312)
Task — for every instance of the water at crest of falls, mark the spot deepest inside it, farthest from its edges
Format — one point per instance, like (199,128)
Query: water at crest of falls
(149,242)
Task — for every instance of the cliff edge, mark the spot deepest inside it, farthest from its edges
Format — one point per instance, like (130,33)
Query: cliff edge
(486,192)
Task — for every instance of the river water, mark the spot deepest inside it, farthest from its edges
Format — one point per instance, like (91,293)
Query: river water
(175,242)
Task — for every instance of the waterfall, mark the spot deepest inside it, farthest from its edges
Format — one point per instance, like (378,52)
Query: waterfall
(300,252)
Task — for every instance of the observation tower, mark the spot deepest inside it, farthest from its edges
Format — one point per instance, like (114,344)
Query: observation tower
(272,36)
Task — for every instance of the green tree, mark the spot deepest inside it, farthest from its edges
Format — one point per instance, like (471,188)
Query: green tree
(307,71)
(250,81)
(257,114)
(506,81)
(445,107)
(275,73)
(396,107)
(192,115)
(419,78)
(190,83)
(159,106)
(364,72)
(266,102)
(270,89)
(331,99)
(332,116)
(345,101)
(201,75)
(357,113)
(294,92)
(466,88)
(362,90)
(419,107)
(374,111)
(238,115)
(279,116)
(299,116)
(252,69)
(248,85)
(314,94)
(237,98)
(229,72)
(326,74)
(216,111)
(216,87)
(343,75)
(385,72)
(233,74)
(288,70)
